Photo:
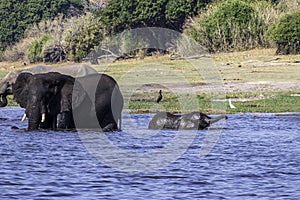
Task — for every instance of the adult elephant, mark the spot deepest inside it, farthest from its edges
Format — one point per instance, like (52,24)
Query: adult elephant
(38,95)
(190,121)
(75,70)
(54,100)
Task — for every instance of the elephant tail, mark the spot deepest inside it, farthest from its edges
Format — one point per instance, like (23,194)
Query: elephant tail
(120,122)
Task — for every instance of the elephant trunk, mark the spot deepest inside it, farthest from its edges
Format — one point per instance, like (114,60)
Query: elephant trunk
(33,123)
(3,103)
(218,118)
(32,126)
(34,117)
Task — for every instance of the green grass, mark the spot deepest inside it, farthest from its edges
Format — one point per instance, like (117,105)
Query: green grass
(271,103)
(274,103)
(3,73)
(11,102)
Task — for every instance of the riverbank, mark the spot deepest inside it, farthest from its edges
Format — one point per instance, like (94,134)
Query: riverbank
(254,81)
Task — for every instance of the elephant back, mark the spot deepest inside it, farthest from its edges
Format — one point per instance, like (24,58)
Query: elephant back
(164,120)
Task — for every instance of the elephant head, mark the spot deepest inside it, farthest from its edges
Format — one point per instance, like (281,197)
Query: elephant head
(41,96)
(194,120)
(198,120)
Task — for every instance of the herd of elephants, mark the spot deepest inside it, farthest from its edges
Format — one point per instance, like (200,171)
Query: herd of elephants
(77,96)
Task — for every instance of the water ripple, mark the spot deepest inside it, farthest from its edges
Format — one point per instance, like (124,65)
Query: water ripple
(256,157)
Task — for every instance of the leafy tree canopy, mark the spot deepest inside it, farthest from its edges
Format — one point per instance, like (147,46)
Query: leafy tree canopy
(229,25)
(286,34)
(119,15)
(17,15)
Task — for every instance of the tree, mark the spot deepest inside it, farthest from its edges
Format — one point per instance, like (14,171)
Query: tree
(119,15)
(178,10)
(82,34)
(17,15)
(286,34)
(228,26)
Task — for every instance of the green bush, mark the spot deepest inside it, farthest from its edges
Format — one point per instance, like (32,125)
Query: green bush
(177,11)
(35,52)
(17,15)
(52,27)
(229,26)
(120,15)
(81,36)
(286,34)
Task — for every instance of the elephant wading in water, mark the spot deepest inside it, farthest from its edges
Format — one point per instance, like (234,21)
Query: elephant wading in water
(54,100)
(190,121)
(75,70)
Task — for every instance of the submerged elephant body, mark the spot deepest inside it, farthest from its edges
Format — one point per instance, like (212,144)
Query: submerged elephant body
(54,100)
(75,70)
(190,121)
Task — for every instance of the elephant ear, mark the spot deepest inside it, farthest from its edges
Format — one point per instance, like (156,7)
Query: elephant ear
(78,95)
(60,86)
(20,88)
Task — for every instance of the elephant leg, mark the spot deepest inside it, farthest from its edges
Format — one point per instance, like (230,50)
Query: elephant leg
(49,123)
(110,127)
(43,125)
(65,120)
(107,123)
(62,120)
(54,123)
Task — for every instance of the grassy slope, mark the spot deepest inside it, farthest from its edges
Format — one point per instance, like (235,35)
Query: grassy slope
(140,81)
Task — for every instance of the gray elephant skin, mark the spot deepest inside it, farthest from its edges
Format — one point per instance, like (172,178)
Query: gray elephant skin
(54,100)
(74,70)
(189,121)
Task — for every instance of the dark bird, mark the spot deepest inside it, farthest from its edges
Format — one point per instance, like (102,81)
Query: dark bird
(159,97)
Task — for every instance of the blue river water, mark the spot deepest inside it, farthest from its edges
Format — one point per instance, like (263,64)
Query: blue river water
(250,156)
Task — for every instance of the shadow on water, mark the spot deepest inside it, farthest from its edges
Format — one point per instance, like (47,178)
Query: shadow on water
(256,156)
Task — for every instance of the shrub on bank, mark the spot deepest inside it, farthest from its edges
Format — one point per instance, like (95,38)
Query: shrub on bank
(231,25)
(17,15)
(35,52)
(81,36)
(286,34)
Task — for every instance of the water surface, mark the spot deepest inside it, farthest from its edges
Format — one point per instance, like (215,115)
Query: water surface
(255,156)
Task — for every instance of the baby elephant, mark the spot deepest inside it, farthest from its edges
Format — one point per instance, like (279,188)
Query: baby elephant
(190,121)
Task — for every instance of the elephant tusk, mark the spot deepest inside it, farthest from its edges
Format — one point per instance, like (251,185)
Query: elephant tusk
(43,117)
(24,117)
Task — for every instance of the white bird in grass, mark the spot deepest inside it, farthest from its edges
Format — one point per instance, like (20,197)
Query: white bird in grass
(230,104)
